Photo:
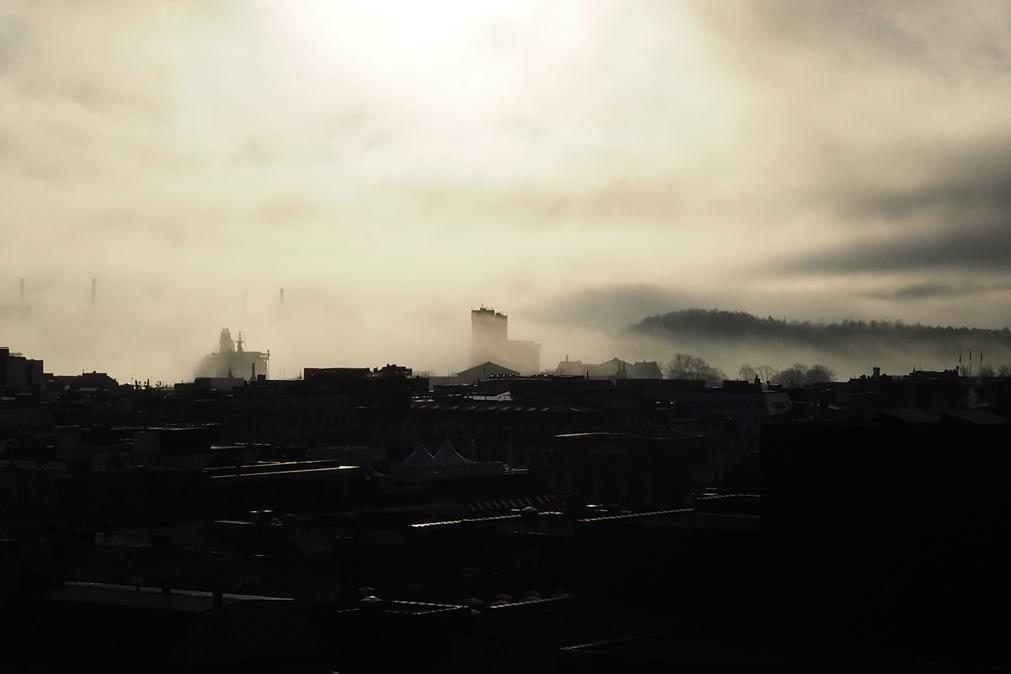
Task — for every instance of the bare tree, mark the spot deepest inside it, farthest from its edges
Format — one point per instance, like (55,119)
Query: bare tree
(819,374)
(687,366)
(795,375)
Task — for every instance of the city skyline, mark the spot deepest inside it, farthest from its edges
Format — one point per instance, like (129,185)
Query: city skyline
(580,165)
(458,336)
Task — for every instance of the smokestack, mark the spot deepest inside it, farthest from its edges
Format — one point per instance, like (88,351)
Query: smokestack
(21,291)
(93,282)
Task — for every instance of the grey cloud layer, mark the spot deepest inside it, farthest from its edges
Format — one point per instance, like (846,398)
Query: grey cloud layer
(956,216)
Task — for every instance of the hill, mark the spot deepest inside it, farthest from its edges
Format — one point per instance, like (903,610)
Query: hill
(849,342)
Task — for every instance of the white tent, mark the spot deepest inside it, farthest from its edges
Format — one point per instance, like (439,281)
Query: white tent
(419,458)
(448,456)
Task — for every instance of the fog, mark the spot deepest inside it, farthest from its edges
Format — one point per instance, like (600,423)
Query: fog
(578,166)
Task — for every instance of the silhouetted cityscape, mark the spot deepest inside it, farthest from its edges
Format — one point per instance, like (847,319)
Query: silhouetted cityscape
(505,336)
(588,518)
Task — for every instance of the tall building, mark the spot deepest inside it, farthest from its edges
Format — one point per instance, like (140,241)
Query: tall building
(489,331)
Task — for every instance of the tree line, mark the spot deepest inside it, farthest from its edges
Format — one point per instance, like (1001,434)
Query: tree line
(688,366)
(742,325)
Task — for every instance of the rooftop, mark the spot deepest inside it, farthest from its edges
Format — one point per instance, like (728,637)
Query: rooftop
(138,596)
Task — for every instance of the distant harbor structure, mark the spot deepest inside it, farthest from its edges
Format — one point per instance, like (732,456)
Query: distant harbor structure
(19,311)
(231,360)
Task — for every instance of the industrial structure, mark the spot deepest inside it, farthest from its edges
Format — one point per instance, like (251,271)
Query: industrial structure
(231,360)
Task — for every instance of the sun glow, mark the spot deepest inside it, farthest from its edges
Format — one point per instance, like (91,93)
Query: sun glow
(505,74)
(399,35)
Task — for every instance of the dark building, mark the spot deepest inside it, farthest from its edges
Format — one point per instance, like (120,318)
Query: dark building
(611,369)
(630,471)
(94,381)
(890,529)
(329,406)
(19,374)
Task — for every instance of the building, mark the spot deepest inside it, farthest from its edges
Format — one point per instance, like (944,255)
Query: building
(490,342)
(630,471)
(86,381)
(328,406)
(19,374)
(483,372)
(894,523)
(611,369)
(232,360)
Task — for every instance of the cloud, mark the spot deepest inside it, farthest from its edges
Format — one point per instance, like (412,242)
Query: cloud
(971,249)
(941,40)
(955,216)
(934,291)
(611,307)
(581,162)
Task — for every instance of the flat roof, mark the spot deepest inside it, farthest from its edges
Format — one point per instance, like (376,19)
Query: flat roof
(140,596)
(274,473)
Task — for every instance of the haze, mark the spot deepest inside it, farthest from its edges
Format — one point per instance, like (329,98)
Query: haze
(578,165)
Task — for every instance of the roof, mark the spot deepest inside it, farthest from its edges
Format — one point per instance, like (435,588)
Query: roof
(909,415)
(420,457)
(486,367)
(448,456)
(718,651)
(143,597)
(979,417)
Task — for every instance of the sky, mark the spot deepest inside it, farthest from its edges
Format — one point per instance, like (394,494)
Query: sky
(577,165)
